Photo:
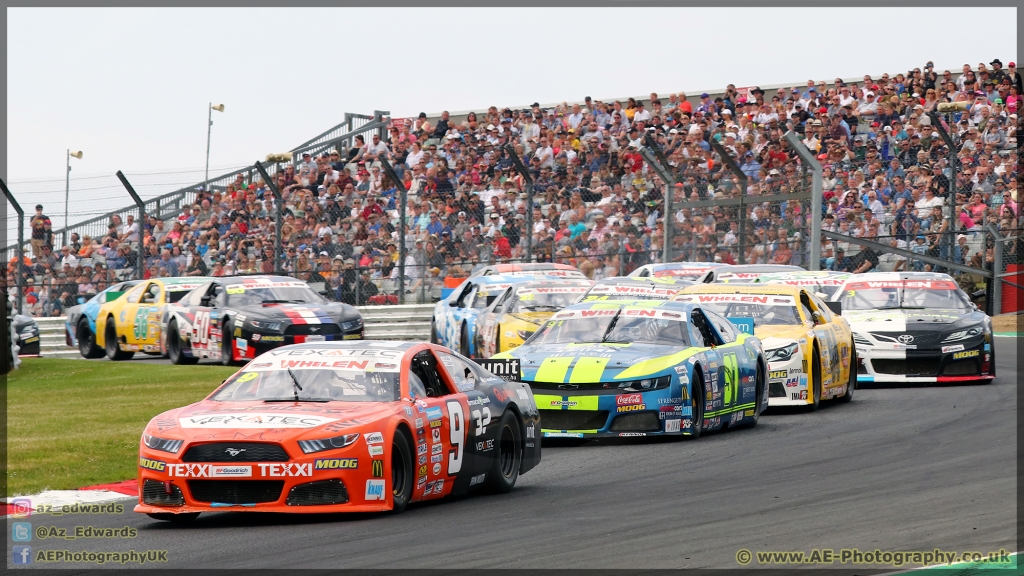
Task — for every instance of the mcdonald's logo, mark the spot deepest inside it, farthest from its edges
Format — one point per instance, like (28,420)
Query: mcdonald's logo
(377,468)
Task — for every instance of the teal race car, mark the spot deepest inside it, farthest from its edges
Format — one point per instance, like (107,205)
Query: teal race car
(639,368)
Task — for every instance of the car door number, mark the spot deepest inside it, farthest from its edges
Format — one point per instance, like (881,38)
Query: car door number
(482,419)
(457,435)
(201,327)
(731,368)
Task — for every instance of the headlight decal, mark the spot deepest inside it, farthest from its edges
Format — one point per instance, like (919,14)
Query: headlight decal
(321,444)
(781,354)
(162,444)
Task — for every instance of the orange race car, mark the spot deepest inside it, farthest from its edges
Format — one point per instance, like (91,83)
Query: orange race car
(339,427)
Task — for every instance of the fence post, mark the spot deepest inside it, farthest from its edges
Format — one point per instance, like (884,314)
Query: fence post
(997,267)
(278,201)
(528,179)
(140,265)
(816,182)
(403,194)
(20,253)
(731,164)
(954,164)
(650,157)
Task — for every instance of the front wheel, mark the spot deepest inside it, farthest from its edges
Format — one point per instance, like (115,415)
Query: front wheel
(401,472)
(508,456)
(227,343)
(697,403)
(176,518)
(433,332)
(87,341)
(851,384)
(815,392)
(759,392)
(464,342)
(114,352)
(175,348)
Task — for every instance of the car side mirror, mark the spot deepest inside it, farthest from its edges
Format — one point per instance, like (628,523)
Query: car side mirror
(835,307)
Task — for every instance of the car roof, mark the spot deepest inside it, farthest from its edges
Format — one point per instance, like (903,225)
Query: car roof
(890,276)
(400,345)
(633,280)
(254,279)
(639,303)
(758,268)
(779,289)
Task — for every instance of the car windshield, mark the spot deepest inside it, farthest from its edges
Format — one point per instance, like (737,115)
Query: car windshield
(310,385)
(765,309)
(545,299)
(617,325)
(290,293)
(904,294)
(824,286)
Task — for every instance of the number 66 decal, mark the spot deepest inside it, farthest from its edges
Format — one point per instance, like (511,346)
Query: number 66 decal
(457,436)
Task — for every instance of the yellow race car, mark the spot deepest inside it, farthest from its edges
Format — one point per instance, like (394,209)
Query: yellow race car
(809,348)
(520,309)
(130,322)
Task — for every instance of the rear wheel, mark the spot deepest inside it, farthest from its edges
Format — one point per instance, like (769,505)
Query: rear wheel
(852,382)
(760,387)
(176,518)
(508,456)
(114,352)
(227,343)
(175,348)
(87,340)
(815,392)
(433,332)
(401,472)
(464,342)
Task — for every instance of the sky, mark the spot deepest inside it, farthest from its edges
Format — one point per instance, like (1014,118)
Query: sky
(131,87)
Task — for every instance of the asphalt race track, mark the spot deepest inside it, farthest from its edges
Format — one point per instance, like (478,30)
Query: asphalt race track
(911,468)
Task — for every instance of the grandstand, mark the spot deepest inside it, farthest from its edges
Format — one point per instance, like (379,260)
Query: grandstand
(598,204)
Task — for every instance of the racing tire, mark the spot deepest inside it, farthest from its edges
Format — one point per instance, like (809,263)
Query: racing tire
(760,389)
(464,342)
(87,341)
(402,482)
(851,385)
(227,343)
(112,350)
(174,347)
(815,391)
(508,456)
(433,332)
(175,518)
(697,402)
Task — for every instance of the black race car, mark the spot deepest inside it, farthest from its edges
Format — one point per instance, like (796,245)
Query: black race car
(28,335)
(238,318)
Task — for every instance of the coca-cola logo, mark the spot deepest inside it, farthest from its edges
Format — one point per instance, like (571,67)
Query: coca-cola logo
(627,399)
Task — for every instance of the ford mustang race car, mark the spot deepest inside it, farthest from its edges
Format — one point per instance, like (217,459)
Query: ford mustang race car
(515,315)
(339,427)
(916,327)
(743,273)
(633,288)
(456,317)
(131,322)
(639,368)
(809,349)
(238,318)
(80,320)
(685,270)
(824,284)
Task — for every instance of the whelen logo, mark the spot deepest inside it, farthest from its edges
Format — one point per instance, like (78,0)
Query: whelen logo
(627,399)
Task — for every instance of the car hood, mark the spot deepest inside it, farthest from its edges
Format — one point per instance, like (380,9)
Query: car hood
(537,318)
(584,362)
(256,420)
(772,333)
(901,320)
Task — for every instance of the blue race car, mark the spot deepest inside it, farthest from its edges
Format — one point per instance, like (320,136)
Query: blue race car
(80,320)
(454,323)
(639,368)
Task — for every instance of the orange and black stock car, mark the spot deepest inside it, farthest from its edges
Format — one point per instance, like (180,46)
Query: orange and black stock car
(355,426)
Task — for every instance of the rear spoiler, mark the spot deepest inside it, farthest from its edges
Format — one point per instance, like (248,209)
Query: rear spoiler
(507,368)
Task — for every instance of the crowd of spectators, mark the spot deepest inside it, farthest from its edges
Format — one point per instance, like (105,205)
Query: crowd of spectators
(597,203)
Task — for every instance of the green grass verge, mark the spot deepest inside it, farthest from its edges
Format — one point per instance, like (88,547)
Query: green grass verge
(74,423)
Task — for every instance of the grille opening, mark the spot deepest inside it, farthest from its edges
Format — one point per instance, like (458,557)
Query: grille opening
(312,329)
(962,368)
(235,452)
(776,390)
(318,493)
(573,419)
(236,491)
(910,366)
(154,494)
(637,422)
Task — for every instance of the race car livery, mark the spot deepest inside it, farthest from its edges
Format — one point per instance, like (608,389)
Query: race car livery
(80,320)
(809,349)
(823,283)
(685,270)
(916,327)
(550,269)
(635,288)
(639,368)
(339,427)
(743,273)
(456,317)
(238,318)
(130,323)
(515,315)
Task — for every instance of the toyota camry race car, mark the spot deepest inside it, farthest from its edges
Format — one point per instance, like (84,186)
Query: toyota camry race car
(916,327)
(823,284)
(685,270)
(515,315)
(743,273)
(80,320)
(130,323)
(639,368)
(339,427)
(457,317)
(238,318)
(809,349)
(633,288)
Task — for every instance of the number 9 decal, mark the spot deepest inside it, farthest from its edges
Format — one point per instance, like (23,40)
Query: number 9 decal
(457,431)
